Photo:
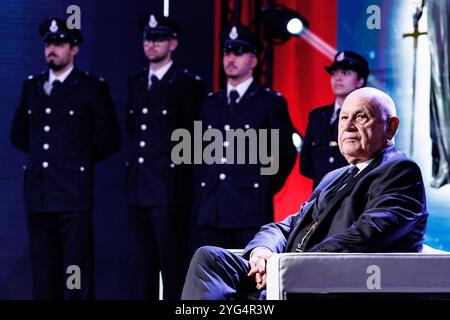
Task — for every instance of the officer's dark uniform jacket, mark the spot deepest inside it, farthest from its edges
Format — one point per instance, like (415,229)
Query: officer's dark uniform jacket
(152,115)
(320,151)
(237,195)
(64,134)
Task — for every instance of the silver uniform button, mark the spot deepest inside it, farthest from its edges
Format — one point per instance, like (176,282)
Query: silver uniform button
(256,185)
(247,126)
(141,160)
(131,111)
(82,169)
(330,159)
(222,176)
(46,128)
(142,144)
(71,113)
(223,160)
(226,144)
(143,127)
(172,165)
(46,146)
(48,110)
(45,164)
(164,112)
(144,110)
(29,111)
(226,127)
(209,126)
(203,184)
(24,167)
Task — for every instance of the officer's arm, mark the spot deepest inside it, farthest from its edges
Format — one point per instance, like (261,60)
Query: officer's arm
(280,119)
(306,161)
(20,131)
(107,138)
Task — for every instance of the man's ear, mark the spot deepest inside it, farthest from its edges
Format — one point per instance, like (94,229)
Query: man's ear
(173,44)
(360,83)
(393,123)
(74,50)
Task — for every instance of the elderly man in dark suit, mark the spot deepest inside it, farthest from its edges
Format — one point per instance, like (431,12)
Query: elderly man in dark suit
(66,122)
(375,204)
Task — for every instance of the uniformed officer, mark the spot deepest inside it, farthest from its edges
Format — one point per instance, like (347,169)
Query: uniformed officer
(320,153)
(65,122)
(161,98)
(234,200)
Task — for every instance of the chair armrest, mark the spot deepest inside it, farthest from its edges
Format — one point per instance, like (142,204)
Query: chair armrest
(321,273)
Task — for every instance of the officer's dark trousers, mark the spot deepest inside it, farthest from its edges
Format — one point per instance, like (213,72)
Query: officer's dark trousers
(61,247)
(217,274)
(157,243)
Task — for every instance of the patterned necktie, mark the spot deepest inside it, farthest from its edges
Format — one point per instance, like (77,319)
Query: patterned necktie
(349,175)
(234,95)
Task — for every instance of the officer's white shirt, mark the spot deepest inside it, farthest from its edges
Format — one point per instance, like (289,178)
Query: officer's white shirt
(160,73)
(52,77)
(241,88)
(334,115)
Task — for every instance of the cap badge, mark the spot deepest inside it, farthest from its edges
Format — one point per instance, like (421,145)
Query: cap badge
(152,23)
(53,26)
(340,56)
(233,34)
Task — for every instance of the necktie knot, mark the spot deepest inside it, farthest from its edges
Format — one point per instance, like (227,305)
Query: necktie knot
(234,95)
(153,81)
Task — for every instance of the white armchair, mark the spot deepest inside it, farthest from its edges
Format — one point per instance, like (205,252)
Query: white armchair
(294,275)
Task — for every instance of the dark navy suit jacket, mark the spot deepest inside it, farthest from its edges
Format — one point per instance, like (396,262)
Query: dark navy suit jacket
(383,209)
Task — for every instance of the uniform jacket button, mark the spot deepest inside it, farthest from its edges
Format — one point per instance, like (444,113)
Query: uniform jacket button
(144,110)
(141,160)
(81,169)
(46,146)
(143,127)
(330,159)
(203,184)
(45,164)
(48,110)
(142,144)
(256,185)
(46,128)
(222,176)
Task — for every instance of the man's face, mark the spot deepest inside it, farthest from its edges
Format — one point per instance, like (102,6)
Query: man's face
(59,55)
(343,82)
(239,65)
(158,50)
(363,129)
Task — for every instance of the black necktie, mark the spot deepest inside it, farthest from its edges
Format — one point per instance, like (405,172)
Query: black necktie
(55,85)
(153,81)
(234,95)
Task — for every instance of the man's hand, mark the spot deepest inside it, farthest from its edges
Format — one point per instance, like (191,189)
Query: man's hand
(258,261)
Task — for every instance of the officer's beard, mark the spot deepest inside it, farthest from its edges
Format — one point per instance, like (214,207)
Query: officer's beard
(56,67)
